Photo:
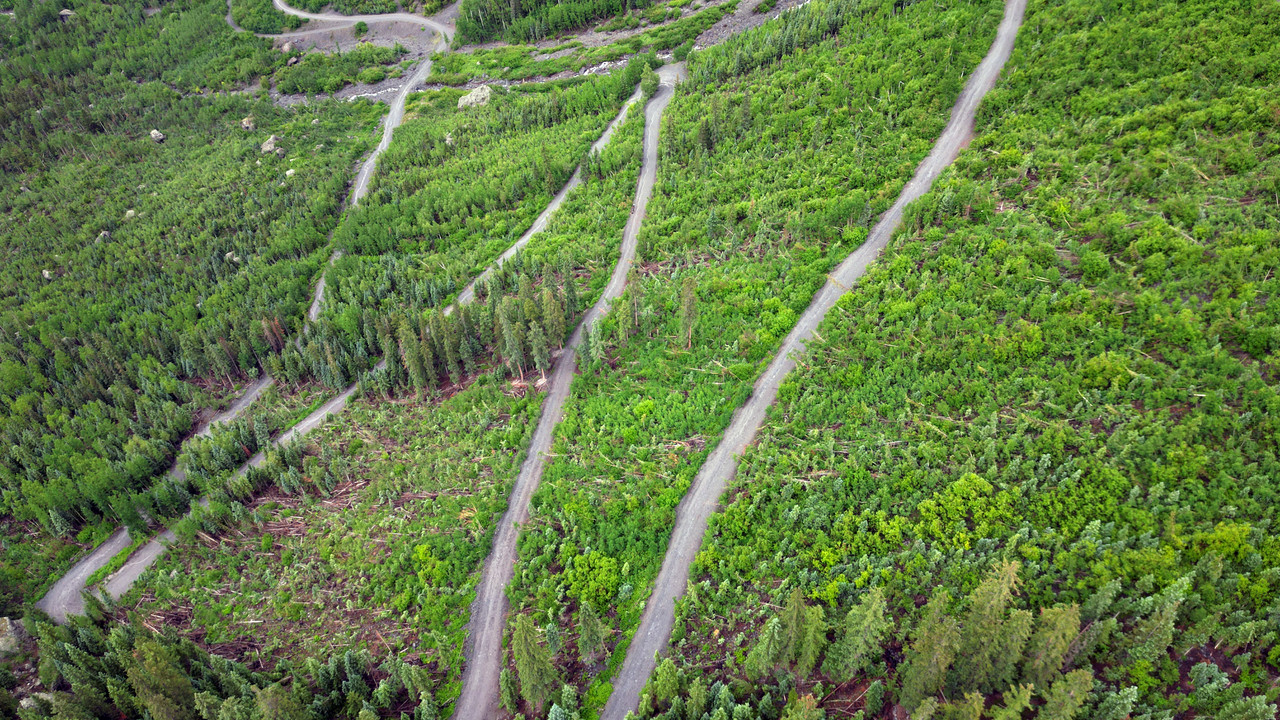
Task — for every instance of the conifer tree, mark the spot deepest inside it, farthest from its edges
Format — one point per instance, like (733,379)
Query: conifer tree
(533,663)
(507,691)
(1016,699)
(812,640)
(528,302)
(688,309)
(553,316)
(513,338)
(591,632)
(1012,642)
(1153,634)
(666,681)
(1067,695)
(764,657)
(793,621)
(159,683)
(864,627)
(538,347)
(1057,627)
(982,628)
(697,700)
(932,650)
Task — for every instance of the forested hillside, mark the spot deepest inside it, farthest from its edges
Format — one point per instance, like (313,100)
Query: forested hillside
(746,220)
(146,275)
(1025,469)
(1031,460)
(381,535)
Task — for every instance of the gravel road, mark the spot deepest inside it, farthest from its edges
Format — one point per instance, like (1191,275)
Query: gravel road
(483,652)
(703,497)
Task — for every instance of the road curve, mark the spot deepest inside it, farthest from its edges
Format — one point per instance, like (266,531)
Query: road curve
(483,652)
(703,497)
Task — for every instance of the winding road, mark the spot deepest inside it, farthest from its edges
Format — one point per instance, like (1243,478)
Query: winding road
(65,597)
(703,497)
(483,652)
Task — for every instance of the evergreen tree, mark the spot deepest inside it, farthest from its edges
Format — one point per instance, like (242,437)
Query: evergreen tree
(666,681)
(812,640)
(591,633)
(766,654)
(794,616)
(688,309)
(982,629)
(1058,626)
(1067,695)
(507,691)
(1153,634)
(1012,642)
(533,663)
(277,703)
(513,338)
(864,627)
(932,650)
(696,704)
(1016,699)
(538,347)
(528,303)
(159,683)
(553,315)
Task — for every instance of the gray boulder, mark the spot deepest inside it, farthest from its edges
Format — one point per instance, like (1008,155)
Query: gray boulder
(269,146)
(475,98)
(157,136)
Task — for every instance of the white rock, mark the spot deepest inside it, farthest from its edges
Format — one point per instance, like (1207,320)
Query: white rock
(130,214)
(290,172)
(475,98)
(11,632)
(248,123)
(157,136)
(48,274)
(269,145)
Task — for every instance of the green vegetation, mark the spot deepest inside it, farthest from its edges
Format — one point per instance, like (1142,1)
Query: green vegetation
(458,187)
(521,62)
(147,275)
(358,7)
(105,669)
(746,219)
(377,541)
(483,20)
(1050,408)
(260,16)
(329,72)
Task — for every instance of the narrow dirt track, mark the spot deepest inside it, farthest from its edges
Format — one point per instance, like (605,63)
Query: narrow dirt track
(483,652)
(704,495)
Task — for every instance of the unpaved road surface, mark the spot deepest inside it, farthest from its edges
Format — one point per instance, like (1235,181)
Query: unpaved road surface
(479,699)
(703,497)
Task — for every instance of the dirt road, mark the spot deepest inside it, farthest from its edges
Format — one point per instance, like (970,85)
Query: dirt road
(703,497)
(479,699)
